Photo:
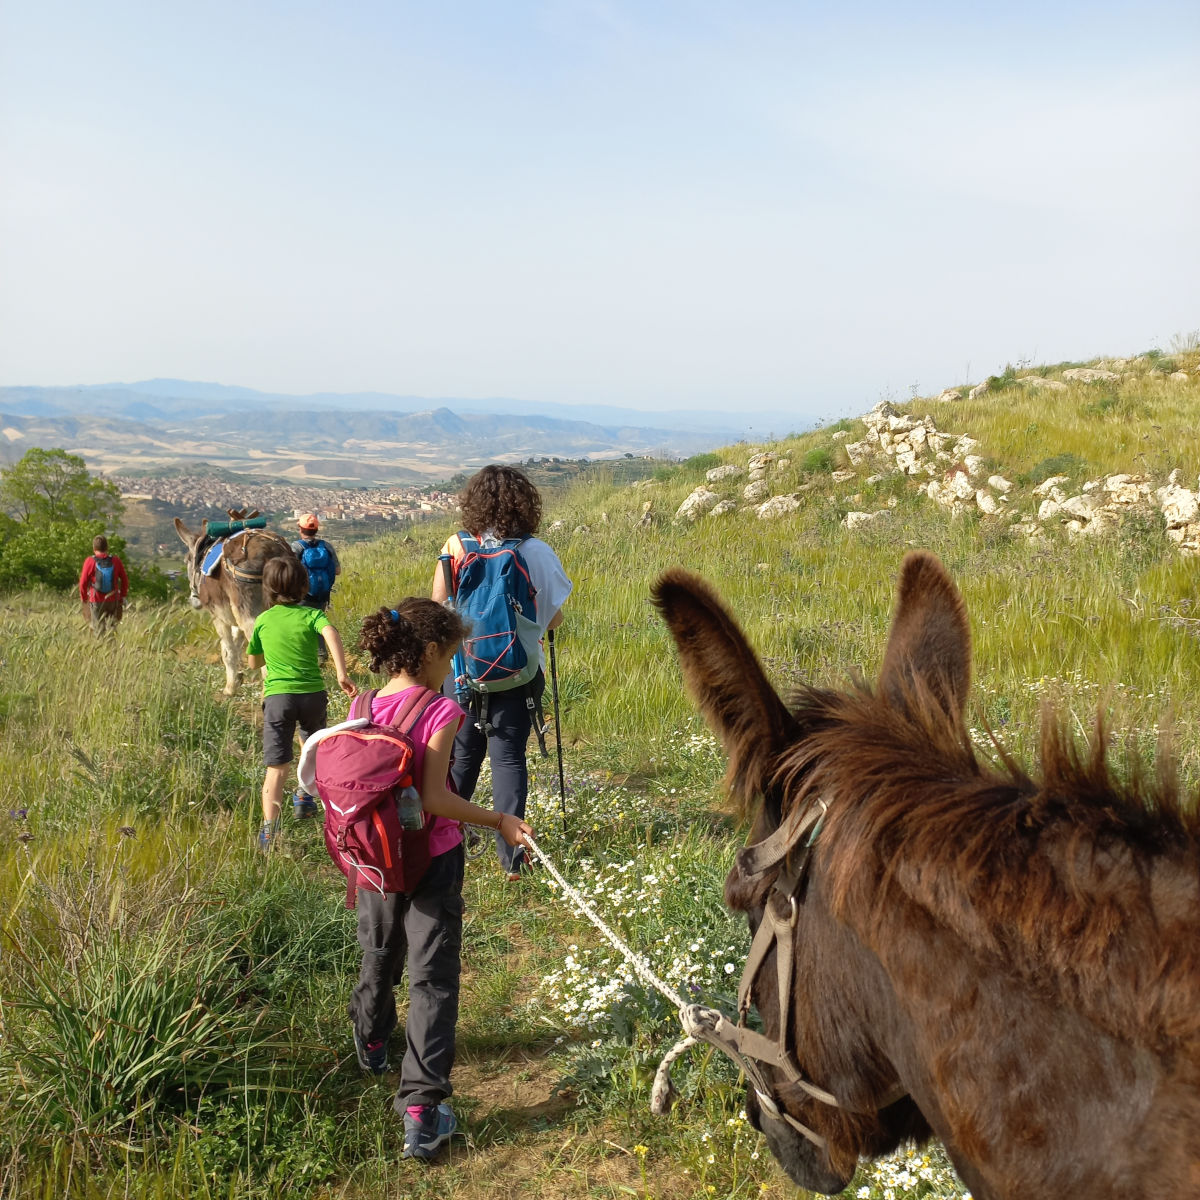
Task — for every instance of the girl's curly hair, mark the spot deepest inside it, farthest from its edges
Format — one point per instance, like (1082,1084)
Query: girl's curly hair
(503,500)
(396,638)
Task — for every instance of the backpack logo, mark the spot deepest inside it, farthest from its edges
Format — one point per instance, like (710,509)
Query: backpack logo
(105,576)
(361,769)
(318,562)
(493,593)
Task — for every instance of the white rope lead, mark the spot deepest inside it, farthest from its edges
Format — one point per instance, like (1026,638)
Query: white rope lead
(641,968)
(663,1093)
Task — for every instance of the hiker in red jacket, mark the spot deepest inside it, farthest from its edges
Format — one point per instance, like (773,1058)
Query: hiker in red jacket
(103,586)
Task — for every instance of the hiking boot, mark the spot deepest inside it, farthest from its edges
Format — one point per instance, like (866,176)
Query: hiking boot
(372,1056)
(266,836)
(424,1134)
(303,805)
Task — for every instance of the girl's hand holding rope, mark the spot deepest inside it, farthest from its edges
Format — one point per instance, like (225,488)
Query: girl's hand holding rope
(518,834)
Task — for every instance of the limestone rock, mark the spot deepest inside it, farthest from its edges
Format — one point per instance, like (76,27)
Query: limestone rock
(842,476)
(999,484)
(855,520)
(857,452)
(1127,490)
(702,500)
(777,506)
(948,395)
(726,471)
(980,389)
(1090,375)
(986,502)
(1038,383)
(1084,507)
(756,492)
(1179,506)
(725,506)
(1049,485)
(1179,376)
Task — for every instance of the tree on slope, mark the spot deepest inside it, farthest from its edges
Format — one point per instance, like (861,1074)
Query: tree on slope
(52,486)
(51,509)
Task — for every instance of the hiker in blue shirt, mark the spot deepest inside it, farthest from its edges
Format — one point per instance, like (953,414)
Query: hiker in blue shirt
(320,561)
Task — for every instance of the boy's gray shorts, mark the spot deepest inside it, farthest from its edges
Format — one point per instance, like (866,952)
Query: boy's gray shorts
(281,715)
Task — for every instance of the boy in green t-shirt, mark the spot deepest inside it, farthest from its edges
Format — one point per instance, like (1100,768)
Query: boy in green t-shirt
(285,641)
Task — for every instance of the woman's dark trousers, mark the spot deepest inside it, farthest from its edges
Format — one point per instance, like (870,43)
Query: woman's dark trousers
(511,720)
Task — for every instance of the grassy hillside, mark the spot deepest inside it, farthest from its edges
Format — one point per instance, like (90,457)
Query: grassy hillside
(173,1004)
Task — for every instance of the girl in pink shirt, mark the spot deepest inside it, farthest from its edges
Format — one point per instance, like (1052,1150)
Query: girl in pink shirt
(414,643)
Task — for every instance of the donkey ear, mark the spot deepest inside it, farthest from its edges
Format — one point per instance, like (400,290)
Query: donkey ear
(186,536)
(724,675)
(929,647)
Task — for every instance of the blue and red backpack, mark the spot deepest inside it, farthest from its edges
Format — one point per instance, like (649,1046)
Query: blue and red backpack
(492,591)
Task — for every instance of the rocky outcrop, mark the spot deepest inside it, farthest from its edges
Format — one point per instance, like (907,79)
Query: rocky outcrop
(728,471)
(1090,375)
(701,501)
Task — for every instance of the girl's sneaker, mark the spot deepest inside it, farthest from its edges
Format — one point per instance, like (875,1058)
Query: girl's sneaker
(266,836)
(426,1128)
(303,805)
(372,1056)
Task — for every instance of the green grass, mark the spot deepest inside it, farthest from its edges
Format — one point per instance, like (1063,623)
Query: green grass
(172,1005)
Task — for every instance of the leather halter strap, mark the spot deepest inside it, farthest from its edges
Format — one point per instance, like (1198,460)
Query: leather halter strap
(776,931)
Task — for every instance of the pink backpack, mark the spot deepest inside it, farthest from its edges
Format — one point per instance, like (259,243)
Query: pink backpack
(360,773)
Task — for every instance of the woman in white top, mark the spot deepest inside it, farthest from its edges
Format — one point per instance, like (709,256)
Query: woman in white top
(500,503)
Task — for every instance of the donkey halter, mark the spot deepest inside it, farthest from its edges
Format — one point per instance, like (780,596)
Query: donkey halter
(777,931)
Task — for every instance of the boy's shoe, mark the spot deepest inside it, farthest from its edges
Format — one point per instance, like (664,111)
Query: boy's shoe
(303,805)
(423,1135)
(266,836)
(372,1056)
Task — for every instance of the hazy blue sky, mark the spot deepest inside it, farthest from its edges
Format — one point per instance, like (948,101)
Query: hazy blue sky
(783,206)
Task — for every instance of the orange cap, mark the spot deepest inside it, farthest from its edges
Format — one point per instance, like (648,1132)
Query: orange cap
(308,521)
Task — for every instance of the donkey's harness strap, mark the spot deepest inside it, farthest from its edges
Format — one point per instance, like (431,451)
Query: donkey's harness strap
(789,851)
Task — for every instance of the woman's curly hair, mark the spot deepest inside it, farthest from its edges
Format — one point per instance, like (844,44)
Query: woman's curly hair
(502,500)
(396,638)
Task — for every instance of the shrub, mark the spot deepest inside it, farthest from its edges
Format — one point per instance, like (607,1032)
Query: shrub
(817,460)
(103,1049)
(1058,464)
(702,462)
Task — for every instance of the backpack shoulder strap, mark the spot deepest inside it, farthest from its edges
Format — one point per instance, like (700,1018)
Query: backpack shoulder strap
(411,708)
(467,542)
(415,704)
(360,706)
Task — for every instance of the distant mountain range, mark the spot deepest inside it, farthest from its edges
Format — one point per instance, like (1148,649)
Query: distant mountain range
(125,428)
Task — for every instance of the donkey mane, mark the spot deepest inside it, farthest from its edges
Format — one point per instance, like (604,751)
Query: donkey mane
(1086,888)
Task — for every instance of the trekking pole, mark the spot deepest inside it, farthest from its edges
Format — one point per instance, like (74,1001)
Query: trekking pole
(562,784)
